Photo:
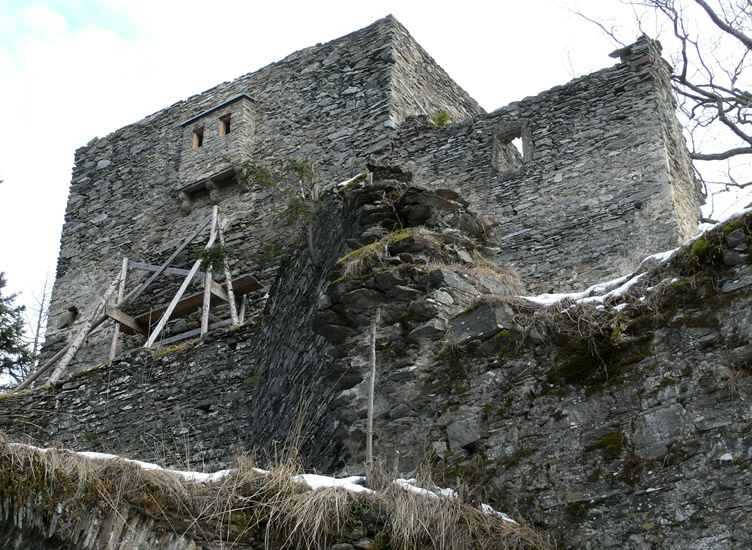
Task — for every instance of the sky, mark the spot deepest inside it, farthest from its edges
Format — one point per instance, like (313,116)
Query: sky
(71,70)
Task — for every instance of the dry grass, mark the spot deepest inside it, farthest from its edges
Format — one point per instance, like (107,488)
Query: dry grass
(417,521)
(250,504)
(362,260)
(483,267)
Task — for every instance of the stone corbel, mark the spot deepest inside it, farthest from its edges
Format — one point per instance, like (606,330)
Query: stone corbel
(185,203)
(213,191)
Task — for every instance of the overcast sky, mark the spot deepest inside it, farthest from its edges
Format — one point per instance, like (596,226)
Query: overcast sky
(71,70)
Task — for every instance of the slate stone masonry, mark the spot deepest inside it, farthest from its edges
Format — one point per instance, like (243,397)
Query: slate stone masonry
(604,179)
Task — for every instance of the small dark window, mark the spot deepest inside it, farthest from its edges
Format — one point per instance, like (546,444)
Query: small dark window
(224,126)
(198,138)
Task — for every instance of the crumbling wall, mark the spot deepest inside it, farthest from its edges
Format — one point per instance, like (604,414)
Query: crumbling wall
(619,421)
(625,424)
(201,403)
(604,178)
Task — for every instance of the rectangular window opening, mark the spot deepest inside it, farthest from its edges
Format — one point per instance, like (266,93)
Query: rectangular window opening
(198,138)
(224,126)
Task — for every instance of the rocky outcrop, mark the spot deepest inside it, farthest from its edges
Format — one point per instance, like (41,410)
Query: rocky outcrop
(619,419)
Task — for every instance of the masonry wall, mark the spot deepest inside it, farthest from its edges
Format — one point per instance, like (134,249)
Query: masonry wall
(200,404)
(330,105)
(606,179)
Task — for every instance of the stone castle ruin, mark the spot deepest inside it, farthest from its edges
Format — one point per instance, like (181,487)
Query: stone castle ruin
(604,178)
(439,227)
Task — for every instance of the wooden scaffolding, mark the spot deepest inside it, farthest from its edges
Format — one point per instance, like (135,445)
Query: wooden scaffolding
(151,323)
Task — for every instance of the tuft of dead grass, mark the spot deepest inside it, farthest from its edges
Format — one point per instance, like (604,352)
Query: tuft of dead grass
(484,268)
(249,505)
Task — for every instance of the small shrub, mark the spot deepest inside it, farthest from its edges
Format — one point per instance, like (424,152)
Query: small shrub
(440,119)
(213,258)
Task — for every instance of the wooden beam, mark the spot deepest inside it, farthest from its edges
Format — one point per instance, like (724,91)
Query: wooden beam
(166,316)
(242,285)
(124,319)
(243,305)
(121,292)
(138,290)
(71,347)
(91,323)
(228,278)
(171,270)
(208,280)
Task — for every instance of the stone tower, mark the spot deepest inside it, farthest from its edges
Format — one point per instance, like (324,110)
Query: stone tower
(603,177)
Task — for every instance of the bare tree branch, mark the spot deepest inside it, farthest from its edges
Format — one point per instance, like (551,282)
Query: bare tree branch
(720,23)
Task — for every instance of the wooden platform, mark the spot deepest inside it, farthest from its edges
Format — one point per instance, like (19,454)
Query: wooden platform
(187,305)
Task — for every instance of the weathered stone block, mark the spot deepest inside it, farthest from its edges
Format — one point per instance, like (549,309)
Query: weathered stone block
(480,322)
(445,278)
(656,430)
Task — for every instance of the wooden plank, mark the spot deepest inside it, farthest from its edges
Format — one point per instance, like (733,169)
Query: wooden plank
(87,327)
(166,315)
(218,291)
(170,270)
(135,293)
(243,285)
(208,280)
(121,292)
(228,278)
(124,319)
(193,333)
(243,305)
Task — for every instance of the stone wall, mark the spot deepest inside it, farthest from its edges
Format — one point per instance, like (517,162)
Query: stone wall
(604,163)
(140,191)
(201,403)
(625,424)
(602,180)
(606,179)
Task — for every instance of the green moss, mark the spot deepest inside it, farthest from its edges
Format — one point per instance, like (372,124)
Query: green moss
(474,470)
(254,379)
(87,373)
(600,363)
(355,254)
(472,307)
(610,444)
(92,438)
(451,374)
(703,255)
(577,509)
(399,235)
